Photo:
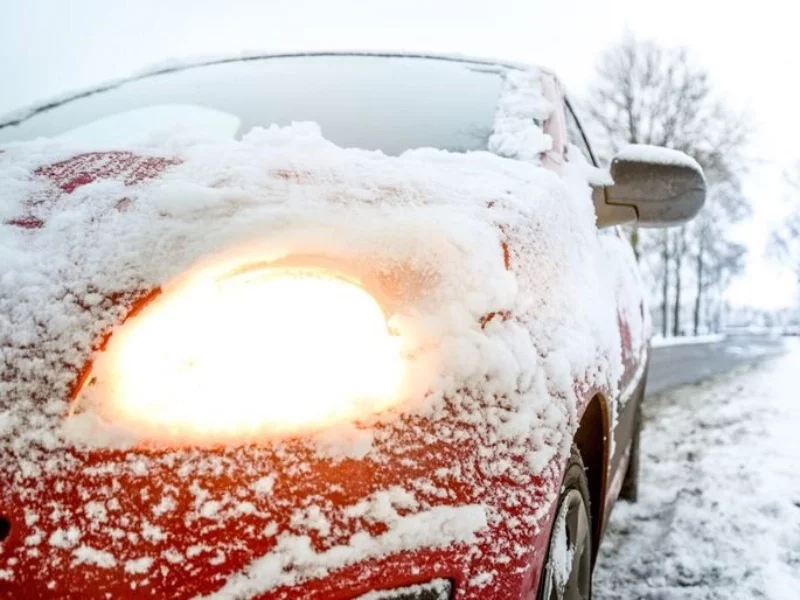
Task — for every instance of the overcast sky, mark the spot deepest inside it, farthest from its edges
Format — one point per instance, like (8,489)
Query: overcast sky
(751,49)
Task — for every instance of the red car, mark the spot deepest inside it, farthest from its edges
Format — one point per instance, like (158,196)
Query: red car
(324,326)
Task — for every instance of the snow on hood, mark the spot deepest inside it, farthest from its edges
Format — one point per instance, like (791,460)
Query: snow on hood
(512,309)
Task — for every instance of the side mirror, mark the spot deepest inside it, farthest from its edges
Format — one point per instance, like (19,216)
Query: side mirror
(656,187)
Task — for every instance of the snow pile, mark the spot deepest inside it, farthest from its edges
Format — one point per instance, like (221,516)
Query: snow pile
(717,515)
(492,275)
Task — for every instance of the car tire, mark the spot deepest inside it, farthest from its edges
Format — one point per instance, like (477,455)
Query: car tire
(630,484)
(573,521)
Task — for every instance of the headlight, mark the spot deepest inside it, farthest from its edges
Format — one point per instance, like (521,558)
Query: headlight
(254,351)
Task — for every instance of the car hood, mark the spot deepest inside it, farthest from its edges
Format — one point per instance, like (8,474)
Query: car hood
(485,259)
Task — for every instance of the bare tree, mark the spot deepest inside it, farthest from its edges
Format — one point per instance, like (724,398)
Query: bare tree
(665,254)
(680,251)
(785,243)
(715,258)
(648,94)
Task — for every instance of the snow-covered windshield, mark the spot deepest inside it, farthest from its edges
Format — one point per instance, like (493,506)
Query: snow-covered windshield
(388,103)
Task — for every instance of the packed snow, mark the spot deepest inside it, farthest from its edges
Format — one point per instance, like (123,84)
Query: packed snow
(658,155)
(483,262)
(718,515)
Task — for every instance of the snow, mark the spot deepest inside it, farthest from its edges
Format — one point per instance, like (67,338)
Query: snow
(428,529)
(658,155)
(65,538)
(86,555)
(517,131)
(561,554)
(485,263)
(264,485)
(711,338)
(440,586)
(139,565)
(717,515)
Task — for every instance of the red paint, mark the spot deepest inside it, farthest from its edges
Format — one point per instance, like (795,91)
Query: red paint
(84,169)
(68,175)
(28,222)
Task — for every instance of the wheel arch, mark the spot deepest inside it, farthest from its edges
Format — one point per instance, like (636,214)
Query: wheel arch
(593,442)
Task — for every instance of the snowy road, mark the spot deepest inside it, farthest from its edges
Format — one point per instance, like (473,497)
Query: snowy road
(671,366)
(719,509)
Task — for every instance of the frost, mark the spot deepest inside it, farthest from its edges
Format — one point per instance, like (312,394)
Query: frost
(438,586)
(139,565)
(151,533)
(86,555)
(96,511)
(458,524)
(264,485)
(65,538)
(166,505)
(481,579)
(311,518)
(210,509)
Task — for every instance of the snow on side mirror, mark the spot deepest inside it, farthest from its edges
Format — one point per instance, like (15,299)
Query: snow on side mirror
(656,187)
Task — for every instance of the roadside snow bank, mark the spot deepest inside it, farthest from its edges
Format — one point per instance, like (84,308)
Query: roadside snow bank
(712,338)
(718,514)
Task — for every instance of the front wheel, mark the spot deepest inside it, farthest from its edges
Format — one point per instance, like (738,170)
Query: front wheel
(567,572)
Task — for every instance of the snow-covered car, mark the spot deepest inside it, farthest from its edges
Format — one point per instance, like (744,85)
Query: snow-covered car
(323,326)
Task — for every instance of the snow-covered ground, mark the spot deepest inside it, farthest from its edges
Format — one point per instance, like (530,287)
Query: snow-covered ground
(718,515)
(713,338)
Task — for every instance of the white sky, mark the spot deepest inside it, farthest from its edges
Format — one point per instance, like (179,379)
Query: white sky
(751,49)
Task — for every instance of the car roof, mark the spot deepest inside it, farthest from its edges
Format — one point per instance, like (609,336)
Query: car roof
(18,116)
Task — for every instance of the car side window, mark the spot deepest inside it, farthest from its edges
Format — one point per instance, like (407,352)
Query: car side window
(576,136)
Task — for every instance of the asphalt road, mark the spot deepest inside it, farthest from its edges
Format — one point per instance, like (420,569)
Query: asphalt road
(671,366)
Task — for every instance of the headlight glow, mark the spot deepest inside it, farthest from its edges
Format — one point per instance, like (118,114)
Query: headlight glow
(255,351)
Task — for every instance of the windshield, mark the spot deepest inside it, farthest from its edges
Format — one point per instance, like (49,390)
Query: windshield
(387,103)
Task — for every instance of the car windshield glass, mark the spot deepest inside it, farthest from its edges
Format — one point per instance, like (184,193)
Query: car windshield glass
(374,102)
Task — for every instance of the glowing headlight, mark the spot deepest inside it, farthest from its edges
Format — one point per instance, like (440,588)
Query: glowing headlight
(256,351)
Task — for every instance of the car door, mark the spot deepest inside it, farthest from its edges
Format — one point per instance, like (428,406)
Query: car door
(632,321)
